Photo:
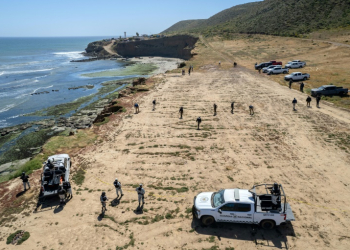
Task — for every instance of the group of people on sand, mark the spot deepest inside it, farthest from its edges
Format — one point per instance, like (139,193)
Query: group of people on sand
(118,187)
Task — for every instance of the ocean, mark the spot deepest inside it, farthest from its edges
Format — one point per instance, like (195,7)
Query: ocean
(33,65)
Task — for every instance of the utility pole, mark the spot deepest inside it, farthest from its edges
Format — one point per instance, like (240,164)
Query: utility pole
(124,34)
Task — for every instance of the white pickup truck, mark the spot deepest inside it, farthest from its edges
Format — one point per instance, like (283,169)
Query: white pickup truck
(267,208)
(277,70)
(295,64)
(297,76)
(55,171)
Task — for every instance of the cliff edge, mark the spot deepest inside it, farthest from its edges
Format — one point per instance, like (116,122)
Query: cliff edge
(179,46)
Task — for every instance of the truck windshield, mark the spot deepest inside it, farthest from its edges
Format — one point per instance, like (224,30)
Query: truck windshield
(320,88)
(217,198)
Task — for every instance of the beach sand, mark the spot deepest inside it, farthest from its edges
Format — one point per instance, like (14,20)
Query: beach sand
(175,162)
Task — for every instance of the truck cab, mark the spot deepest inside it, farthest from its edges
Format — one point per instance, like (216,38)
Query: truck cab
(244,206)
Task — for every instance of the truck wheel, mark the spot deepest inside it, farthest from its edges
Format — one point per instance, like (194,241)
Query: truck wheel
(207,220)
(300,67)
(305,78)
(267,224)
(284,72)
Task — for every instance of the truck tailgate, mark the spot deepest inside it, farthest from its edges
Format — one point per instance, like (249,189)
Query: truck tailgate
(289,212)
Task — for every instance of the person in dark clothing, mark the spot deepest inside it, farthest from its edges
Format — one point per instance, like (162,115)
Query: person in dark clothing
(137,108)
(25,180)
(215,107)
(199,120)
(181,111)
(183,72)
(302,87)
(50,165)
(290,84)
(68,188)
(294,103)
(154,104)
(308,100)
(62,194)
(318,98)
(251,109)
(234,64)
(103,199)
(232,107)
(189,71)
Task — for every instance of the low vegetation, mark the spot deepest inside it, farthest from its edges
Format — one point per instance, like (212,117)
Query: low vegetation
(275,17)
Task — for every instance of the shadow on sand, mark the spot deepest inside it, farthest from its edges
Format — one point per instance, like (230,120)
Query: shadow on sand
(269,238)
(50,203)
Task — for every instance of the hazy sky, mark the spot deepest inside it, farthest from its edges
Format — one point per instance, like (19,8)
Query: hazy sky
(99,18)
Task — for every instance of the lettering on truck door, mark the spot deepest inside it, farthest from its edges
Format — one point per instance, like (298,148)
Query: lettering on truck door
(235,212)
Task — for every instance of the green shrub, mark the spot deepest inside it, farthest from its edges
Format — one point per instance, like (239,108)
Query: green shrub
(28,168)
(25,236)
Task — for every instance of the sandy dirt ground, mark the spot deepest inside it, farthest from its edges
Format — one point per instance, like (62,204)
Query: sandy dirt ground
(304,150)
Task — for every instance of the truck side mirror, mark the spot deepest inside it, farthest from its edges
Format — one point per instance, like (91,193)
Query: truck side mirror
(220,212)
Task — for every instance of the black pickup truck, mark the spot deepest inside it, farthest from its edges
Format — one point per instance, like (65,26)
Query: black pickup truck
(329,90)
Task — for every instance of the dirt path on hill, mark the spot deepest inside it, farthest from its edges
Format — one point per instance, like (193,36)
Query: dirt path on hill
(305,150)
(109,49)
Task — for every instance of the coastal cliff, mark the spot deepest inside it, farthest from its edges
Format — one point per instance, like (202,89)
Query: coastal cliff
(179,46)
(96,49)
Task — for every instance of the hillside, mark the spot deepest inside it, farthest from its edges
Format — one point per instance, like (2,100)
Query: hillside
(273,17)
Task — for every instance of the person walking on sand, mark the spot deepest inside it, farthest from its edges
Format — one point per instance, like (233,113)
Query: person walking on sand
(137,108)
(215,107)
(118,187)
(154,104)
(232,107)
(318,98)
(219,63)
(141,194)
(25,180)
(308,100)
(103,199)
(251,109)
(199,120)
(189,71)
(302,87)
(181,111)
(290,83)
(294,103)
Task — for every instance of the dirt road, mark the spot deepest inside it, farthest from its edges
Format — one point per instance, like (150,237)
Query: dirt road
(109,49)
(305,150)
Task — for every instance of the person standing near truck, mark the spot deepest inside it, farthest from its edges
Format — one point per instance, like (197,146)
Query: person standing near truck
(62,195)
(68,188)
(318,98)
(25,180)
(308,100)
(290,83)
(302,87)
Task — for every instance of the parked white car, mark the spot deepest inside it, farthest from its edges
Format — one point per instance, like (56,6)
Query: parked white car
(277,70)
(267,208)
(295,64)
(297,76)
(264,70)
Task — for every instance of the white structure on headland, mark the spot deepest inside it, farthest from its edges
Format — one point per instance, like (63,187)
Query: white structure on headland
(124,34)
